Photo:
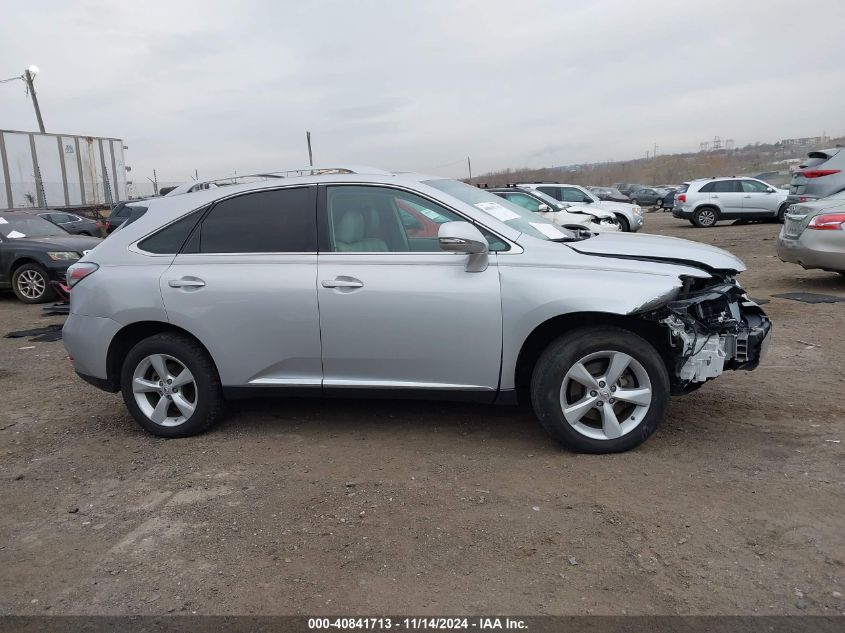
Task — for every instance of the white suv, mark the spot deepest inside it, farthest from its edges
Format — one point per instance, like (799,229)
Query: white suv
(706,201)
(630,216)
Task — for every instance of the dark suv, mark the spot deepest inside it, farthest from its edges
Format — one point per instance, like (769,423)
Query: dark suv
(34,252)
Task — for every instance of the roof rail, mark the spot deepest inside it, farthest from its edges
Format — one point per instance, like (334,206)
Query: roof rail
(286,173)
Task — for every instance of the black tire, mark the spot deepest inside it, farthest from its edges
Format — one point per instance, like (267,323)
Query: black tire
(624,225)
(565,352)
(208,393)
(782,212)
(26,281)
(705,217)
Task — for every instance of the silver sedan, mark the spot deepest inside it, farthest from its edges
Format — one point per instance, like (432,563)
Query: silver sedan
(813,234)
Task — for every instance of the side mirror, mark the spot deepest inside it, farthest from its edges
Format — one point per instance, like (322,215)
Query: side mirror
(770,190)
(542,208)
(461,237)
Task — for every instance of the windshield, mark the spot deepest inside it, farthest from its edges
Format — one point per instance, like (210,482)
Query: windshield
(554,204)
(14,226)
(503,210)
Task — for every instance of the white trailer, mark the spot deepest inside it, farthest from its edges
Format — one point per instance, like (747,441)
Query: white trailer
(60,171)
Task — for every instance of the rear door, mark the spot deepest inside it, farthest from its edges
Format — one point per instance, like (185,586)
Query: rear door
(245,285)
(728,195)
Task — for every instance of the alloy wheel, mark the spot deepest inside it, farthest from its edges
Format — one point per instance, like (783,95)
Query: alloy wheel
(31,284)
(605,395)
(165,390)
(706,217)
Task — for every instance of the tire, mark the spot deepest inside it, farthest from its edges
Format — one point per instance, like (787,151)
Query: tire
(32,284)
(592,348)
(782,212)
(624,225)
(705,217)
(202,397)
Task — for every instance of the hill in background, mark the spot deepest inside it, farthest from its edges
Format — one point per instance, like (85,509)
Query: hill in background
(750,160)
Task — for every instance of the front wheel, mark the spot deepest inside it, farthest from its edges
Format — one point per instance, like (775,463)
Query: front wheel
(170,386)
(600,390)
(31,284)
(782,212)
(624,225)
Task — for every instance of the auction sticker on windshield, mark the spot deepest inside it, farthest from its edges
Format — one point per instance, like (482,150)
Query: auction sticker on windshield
(497,211)
(549,230)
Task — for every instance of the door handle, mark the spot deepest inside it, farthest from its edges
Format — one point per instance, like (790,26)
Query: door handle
(348,282)
(714,196)
(747,196)
(186,282)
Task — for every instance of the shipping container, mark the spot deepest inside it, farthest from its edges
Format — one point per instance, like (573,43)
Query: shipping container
(60,171)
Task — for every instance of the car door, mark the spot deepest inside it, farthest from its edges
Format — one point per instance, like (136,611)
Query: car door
(758,199)
(728,195)
(396,312)
(245,285)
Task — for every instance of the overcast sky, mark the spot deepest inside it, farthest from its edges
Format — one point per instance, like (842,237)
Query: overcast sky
(224,86)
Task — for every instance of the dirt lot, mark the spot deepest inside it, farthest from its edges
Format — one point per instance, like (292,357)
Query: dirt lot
(735,506)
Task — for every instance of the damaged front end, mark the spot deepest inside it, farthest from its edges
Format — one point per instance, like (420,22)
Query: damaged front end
(712,327)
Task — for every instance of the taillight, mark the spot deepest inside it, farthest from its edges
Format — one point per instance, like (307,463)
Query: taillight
(80,271)
(818,173)
(682,197)
(827,222)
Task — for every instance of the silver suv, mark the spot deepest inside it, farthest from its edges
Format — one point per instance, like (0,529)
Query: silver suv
(361,282)
(821,175)
(706,201)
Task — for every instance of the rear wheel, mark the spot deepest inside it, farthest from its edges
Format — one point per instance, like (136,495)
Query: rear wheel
(782,212)
(600,390)
(705,217)
(31,284)
(170,386)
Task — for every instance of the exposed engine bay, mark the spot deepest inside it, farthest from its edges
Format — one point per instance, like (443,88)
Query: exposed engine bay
(712,326)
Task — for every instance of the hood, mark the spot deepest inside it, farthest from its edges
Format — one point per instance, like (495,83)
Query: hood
(659,248)
(610,205)
(590,210)
(78,243)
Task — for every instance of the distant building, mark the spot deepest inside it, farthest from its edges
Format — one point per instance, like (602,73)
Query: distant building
(808,141)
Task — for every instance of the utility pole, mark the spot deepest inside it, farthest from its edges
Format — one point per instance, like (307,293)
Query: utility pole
(469,168)
(154,180)
(654,155)
(310,155)
(28,78)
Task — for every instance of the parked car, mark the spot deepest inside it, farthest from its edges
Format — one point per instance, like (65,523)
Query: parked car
(627,187)
(609,194)
(34,252)
(821,175)
(124,212)
(708,200)
(630,216)
(74,224)
(176,310)
(647,196)
(813,234)
(561,213)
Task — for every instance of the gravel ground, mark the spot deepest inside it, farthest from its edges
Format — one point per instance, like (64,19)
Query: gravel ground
(735,506)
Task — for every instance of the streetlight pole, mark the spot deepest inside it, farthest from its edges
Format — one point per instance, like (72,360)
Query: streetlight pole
(29,77)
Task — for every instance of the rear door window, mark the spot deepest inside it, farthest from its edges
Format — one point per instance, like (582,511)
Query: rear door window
(726,186)
(278,221)
(554,192)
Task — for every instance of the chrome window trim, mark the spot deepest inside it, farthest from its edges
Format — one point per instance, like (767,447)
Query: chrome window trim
(133,247)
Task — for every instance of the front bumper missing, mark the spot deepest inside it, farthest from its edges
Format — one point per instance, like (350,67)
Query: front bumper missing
(716,331)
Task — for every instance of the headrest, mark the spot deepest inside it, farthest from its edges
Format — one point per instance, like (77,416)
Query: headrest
(350,228)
